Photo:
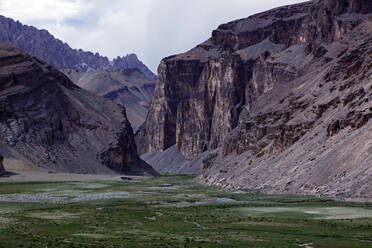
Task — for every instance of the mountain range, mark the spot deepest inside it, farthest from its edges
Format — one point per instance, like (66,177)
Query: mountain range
(124,80)
(278,102)
(60,55)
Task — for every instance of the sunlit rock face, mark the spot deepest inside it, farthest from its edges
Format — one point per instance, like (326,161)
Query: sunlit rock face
(281,99)
(49,122)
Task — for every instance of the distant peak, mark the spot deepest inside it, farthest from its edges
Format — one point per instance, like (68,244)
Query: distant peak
(59,54)
(131,61)
(132,55)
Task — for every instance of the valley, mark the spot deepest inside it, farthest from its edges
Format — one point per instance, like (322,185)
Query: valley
(260,136)
(171,211)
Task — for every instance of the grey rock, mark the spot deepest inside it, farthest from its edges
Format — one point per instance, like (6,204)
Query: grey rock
(281,100)
(51,123)
(131,61)
(172,161)
(129,88)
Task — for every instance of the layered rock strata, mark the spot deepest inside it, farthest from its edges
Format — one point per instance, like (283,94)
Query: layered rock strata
(281,100)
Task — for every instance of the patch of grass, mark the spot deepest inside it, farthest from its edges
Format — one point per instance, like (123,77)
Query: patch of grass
(188,215)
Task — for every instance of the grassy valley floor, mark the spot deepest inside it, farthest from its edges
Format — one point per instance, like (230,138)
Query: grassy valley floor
(172,211)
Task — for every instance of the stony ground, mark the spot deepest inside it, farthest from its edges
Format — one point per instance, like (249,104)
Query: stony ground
(170,211)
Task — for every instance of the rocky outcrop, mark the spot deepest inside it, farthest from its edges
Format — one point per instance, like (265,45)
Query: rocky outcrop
(60,55)
(2,170)
(131,61)
(281,100)
(51,123)
(129,88)
(346,6)
(201,93)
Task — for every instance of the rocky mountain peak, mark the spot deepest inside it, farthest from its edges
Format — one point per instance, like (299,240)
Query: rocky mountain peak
(131,57)
(60,55)
(131,61)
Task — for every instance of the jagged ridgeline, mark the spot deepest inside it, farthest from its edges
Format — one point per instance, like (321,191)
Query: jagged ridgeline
(49,122)
(42,44)
(124,80)
(281,101)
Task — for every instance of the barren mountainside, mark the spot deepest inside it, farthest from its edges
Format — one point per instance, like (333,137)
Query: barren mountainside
(48,122)
(42,44)
(130,88)
(280,102)
(125,80)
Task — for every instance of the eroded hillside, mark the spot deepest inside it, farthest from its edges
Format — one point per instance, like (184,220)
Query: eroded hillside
(281,100)
(47,121)
(129,88)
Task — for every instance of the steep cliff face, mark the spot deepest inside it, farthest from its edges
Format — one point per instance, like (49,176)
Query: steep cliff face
(51,123)
(42,44)
(201,93)
(282,100)
(313,138)
(129,88)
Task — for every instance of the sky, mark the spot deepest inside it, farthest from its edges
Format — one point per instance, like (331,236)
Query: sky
(153,29)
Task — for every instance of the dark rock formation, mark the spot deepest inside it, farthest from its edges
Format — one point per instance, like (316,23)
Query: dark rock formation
(346,6)
(282,101)
(2,170)
(60,55)
(51,123)
(129,88)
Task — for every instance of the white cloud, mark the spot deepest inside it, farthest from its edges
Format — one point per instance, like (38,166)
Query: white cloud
(40,10)
(151,28)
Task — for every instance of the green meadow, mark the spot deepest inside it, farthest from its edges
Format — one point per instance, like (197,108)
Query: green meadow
(173,211)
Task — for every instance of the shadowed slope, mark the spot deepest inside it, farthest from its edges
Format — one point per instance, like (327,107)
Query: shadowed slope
(129,88)
(51,123)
